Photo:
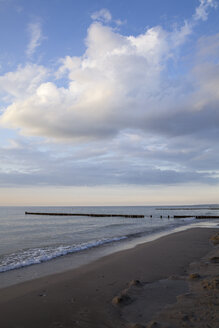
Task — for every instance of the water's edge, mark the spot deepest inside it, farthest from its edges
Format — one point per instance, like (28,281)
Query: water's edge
(77,258)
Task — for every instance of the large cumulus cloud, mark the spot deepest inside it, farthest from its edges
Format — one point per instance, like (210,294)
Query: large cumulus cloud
(119,82)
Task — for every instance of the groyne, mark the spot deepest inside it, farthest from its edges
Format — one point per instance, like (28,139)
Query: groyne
(121,215)
(196,216)
(86,214)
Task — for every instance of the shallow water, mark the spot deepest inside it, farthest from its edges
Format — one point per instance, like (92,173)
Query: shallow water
(34,239)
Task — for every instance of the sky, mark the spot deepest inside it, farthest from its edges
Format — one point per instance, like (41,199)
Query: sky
(109,102)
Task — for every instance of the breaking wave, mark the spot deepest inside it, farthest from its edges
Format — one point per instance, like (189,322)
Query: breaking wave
(44,254)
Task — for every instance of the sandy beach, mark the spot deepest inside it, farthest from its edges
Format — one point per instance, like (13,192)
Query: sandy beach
(169,282)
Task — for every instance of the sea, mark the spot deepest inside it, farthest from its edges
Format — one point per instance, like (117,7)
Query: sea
(32,246)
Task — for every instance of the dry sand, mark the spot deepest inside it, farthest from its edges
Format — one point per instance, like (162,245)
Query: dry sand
(139,287)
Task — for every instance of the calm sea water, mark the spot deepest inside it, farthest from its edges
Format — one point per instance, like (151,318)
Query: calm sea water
(33,239)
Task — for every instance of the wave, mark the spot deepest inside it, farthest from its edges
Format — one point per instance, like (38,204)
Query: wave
(25,258)
(40,255)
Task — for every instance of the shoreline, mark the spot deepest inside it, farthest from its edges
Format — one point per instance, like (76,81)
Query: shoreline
(83,297)
(75,260)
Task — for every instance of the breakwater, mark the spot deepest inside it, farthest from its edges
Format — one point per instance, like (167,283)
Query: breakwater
(187,208)
(85,214)
(120,215)
(196,216)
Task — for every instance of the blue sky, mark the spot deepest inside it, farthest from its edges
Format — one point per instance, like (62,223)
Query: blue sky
(64,24)
(109,102)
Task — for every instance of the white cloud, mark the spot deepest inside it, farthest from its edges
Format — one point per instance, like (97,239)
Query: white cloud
(202,10)
(23,82)
(119,22)
(115,74)
(120,83)
(102,15)
(130,113)
(36,38)
(129,159)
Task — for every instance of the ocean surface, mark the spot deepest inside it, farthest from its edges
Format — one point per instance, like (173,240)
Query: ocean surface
(28,240)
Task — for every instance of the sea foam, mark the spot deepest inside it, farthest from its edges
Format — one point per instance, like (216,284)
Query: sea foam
(38,255)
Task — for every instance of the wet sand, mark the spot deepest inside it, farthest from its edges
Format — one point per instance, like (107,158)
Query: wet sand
(139,287)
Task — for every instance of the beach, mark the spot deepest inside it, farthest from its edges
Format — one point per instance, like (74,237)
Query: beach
(130,288)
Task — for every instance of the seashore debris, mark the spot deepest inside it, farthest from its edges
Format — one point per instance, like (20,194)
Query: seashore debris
(86,214)
(194,276)
(215,239)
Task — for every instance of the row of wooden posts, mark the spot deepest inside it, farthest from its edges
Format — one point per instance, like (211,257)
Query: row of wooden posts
(119,215)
